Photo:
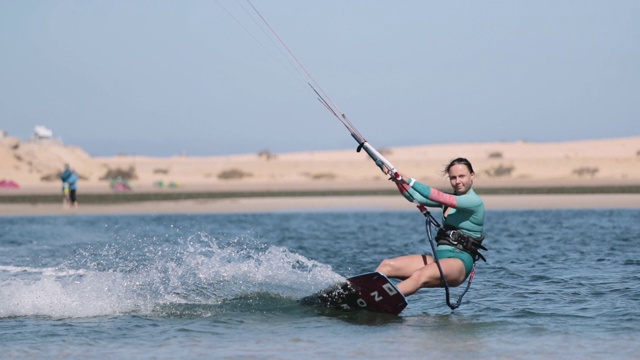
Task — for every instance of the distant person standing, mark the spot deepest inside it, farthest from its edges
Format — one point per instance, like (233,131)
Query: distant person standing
(69,186)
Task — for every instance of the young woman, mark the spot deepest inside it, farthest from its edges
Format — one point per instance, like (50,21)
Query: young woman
(458,241)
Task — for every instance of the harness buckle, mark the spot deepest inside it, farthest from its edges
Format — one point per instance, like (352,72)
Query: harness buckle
(462,241)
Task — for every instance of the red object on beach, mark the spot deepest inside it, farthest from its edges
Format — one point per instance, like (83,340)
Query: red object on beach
(9,184)
(121,187)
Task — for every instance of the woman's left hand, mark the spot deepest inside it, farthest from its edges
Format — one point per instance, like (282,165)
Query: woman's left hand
(397,178)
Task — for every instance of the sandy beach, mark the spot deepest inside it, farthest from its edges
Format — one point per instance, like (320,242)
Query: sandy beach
(607,163)
(323,203)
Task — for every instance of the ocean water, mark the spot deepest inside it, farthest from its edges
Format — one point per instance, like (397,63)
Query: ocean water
(559,284)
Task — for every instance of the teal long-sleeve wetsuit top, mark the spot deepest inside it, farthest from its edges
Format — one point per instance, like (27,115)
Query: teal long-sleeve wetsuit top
(466,212)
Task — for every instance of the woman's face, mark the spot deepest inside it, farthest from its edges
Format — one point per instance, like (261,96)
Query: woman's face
(461,179)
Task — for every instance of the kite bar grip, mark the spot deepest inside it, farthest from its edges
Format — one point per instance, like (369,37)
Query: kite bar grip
(380,160)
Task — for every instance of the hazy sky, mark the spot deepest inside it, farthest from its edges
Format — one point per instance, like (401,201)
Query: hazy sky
(165,77)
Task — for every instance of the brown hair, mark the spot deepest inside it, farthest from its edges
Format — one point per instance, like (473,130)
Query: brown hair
(459,161)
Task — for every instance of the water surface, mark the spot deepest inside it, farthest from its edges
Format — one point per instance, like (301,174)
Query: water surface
(558,283)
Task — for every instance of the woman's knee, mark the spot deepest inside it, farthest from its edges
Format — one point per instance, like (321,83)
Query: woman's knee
(386,266)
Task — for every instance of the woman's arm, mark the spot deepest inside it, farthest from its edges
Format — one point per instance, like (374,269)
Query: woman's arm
(414,195)
(434,195)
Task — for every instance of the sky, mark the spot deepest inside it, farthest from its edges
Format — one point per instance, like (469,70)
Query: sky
(203,78)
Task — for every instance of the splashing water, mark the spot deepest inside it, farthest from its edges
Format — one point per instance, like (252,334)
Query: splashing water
(160,277)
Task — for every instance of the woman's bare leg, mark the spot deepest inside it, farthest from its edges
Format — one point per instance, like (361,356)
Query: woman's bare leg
(429,276)
(403,266)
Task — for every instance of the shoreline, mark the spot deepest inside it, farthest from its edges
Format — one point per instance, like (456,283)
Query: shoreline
(319,204)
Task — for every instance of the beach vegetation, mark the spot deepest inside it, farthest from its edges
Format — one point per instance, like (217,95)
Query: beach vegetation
(161,171)
(126,174)
(266,154)
(50,177)
(321,176)
(495,155)
(233,174)
(500,170)
(586,171)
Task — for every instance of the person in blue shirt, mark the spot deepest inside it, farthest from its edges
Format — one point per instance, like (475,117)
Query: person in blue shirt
(69,186)
(458,240)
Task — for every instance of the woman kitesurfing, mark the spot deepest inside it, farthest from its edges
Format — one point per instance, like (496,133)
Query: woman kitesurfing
(458,240)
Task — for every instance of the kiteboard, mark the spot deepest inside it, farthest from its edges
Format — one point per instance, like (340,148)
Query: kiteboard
(371,291)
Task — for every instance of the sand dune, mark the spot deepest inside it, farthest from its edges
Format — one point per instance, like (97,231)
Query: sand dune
(35,165)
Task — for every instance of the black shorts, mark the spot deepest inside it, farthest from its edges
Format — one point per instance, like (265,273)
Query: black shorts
(72,196)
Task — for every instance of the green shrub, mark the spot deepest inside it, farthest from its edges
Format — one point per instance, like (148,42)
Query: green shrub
(500,171)
(586,171)
(233,174)
(128,174)
(267,155)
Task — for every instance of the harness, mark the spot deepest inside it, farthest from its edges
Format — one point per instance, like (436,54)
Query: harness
(458,239)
